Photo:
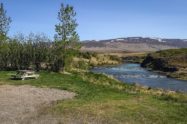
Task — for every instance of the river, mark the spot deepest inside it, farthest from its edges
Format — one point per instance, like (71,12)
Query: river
(134,73)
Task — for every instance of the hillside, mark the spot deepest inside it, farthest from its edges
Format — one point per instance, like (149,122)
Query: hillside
(173,62)
(133,44)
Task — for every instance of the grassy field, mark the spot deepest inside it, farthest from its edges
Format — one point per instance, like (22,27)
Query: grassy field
(101,99)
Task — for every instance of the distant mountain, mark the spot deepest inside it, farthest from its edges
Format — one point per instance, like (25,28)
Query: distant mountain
(133,44)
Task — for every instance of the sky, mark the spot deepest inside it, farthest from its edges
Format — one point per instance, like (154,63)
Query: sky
(102,19)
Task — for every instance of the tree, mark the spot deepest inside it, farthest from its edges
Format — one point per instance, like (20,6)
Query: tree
(41,48)
(4,21)
(66,37)
(4,27)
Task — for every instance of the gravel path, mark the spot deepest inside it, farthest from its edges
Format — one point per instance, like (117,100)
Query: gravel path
(21,104)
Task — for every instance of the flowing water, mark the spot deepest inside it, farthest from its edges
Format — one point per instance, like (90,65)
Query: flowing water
(133,73)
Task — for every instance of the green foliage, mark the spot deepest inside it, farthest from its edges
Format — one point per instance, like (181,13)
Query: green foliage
(66,37)
(87,55)
(4,21)
(70,54)
(66,29)
(36,51)
(24,52)
(81,65)
(171,53)
(116,58)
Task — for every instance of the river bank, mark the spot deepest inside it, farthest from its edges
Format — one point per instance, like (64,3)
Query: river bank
(134,74)
(172,63)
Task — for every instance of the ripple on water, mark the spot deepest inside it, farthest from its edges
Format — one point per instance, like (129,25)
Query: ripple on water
(133,73)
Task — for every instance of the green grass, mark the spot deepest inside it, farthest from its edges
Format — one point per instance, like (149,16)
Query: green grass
(171,52)
(101,99)
(174,57)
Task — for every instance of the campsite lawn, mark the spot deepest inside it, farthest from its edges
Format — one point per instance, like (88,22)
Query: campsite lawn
(101,99)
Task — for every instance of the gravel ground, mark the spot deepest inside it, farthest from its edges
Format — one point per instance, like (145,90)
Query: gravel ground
(23,104)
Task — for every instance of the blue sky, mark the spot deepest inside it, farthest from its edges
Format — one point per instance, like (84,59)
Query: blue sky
(103,19)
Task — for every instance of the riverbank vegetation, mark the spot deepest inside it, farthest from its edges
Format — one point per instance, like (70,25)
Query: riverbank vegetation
(172,62)
(127,57)
(99,59)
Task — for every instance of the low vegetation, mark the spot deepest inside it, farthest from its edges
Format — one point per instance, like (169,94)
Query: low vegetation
(173,62)
(134,57)
(98,59)
(102,99)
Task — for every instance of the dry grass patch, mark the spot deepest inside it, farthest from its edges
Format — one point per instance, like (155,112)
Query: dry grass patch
(22,104)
